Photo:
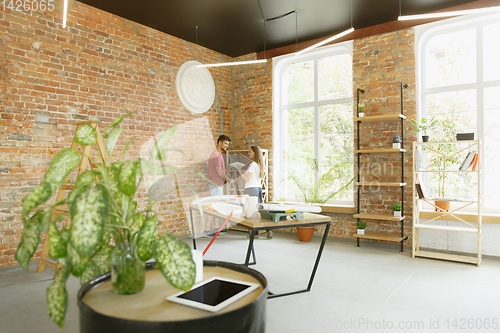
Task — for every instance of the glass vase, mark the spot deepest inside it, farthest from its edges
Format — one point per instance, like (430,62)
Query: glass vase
(128,273)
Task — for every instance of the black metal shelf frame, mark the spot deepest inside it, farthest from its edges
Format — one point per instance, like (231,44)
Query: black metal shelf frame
(362,91)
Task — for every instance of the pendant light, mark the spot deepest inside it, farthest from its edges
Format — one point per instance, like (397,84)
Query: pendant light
(237,63)
(65,13)
(446,14)
(328,40)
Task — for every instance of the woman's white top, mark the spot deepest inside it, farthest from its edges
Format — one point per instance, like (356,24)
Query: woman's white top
(255,180)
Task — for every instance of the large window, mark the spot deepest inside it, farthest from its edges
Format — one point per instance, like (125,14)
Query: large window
(459,80)
(313,126)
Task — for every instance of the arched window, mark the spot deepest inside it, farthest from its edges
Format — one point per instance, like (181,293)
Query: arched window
(313,125)
(459,85)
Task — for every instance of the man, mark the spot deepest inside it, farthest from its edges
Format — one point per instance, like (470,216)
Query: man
(216,168)
(217,174)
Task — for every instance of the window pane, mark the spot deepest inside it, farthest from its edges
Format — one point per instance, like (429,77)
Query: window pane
(299,78)
(298,149)
(335,77)
(491,158)
(451,59)
(456,113)
(491,52)
(336,146)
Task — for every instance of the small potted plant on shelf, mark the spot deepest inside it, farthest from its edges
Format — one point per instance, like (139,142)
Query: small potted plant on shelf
(423,126)
(361,110)
(396,142)
(361,227)
(108,231)
(396,208)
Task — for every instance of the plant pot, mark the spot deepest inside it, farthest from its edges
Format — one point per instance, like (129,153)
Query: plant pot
(444,205)
(305,233)
(361,231)
(397,213)
(396,145)
(138,313)
(361,114)
(128,273)
(425,138)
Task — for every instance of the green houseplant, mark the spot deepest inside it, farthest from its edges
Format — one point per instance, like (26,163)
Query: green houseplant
(423,126)
(317,192)
(397,208)
(105,221)
(361,225)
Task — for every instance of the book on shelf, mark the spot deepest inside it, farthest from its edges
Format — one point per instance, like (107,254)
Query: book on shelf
(420,193)
(474,162)
(468,160)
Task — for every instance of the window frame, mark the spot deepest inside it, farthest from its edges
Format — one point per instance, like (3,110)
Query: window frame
(280,65)
(423,35)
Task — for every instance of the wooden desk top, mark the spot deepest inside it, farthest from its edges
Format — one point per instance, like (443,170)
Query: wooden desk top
(150,304)
(261,223)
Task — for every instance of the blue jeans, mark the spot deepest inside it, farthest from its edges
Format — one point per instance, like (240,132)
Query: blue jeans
(215,190)
(254,192)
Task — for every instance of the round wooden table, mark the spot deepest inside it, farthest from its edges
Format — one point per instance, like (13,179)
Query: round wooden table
(102,310)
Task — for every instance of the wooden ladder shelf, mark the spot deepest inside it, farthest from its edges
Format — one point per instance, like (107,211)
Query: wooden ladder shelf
(45,259)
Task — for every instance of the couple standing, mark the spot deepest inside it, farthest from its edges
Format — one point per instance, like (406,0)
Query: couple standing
(217,173)
(252,175)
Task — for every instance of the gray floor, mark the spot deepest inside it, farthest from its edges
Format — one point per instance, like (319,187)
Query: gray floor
(373,288)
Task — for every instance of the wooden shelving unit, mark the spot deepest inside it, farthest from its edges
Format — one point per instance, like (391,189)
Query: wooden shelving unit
(467,227)
(400,237)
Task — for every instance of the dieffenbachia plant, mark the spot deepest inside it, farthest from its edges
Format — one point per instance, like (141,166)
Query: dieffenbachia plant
(103,212)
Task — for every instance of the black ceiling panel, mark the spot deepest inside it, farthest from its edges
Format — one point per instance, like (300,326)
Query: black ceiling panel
(236,27)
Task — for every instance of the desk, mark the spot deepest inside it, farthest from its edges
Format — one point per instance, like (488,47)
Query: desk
(257,223)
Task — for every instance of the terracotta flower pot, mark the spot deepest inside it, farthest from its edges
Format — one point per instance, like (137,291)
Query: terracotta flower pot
(305,233)
(444,205)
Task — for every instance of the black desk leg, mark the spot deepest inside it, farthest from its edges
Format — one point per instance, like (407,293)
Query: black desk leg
(250,249)
(192,228)
(320,251)
(311,279)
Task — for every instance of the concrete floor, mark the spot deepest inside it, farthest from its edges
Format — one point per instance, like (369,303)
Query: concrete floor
(373,288)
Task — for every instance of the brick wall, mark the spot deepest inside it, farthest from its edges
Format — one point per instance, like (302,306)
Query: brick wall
(99,67)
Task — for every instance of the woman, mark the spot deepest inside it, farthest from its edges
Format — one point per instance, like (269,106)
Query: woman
(253,176)
(254,173)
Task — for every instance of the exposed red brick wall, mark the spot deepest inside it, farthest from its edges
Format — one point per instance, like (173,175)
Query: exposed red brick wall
(99,67)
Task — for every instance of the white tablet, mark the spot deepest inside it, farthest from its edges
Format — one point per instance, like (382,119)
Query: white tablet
(214,294)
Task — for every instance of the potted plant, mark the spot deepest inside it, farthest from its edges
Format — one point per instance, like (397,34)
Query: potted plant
(361,110)
(108,231)
(423,126)
(396,142)
(314,193)
(442,159)
(396,208)
(361,227)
